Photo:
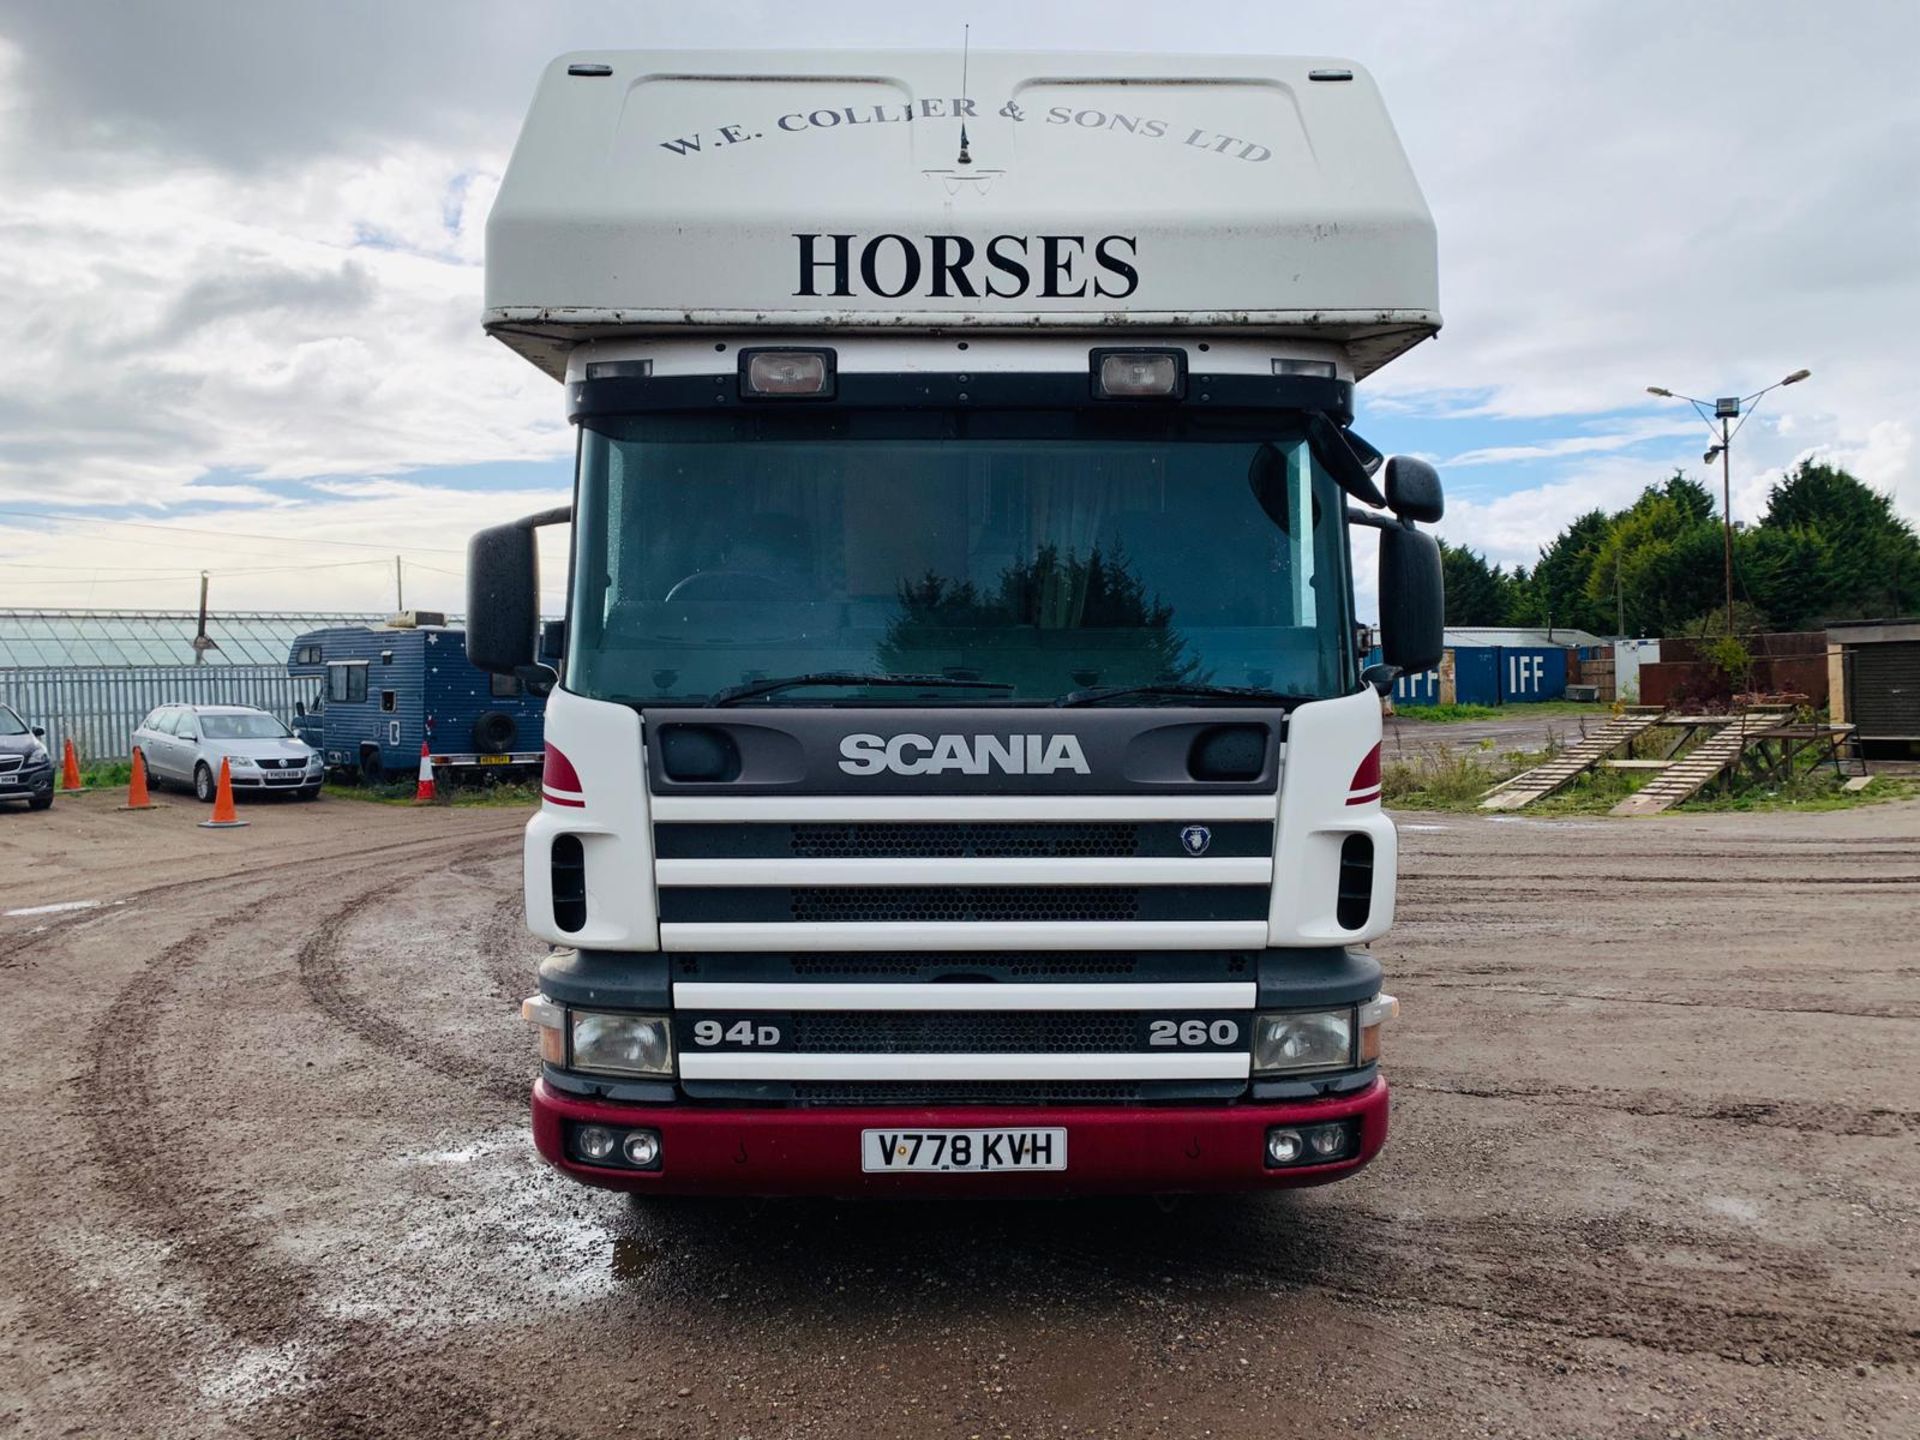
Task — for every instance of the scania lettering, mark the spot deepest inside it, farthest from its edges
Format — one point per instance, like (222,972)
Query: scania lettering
(962,769)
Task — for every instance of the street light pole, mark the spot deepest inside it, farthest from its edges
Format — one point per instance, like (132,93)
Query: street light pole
(1727,409)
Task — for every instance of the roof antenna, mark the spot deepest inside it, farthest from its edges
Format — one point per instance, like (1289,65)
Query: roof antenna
(966,41)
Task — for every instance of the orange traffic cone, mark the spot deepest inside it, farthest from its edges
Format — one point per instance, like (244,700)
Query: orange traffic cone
(423,791)
(225,817)
(137,797)
(70,771)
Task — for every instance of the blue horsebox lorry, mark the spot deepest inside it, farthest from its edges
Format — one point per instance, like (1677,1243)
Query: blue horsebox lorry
(381,691)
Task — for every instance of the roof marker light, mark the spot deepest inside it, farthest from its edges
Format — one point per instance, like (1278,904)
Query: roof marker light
(590,72)
(619,369)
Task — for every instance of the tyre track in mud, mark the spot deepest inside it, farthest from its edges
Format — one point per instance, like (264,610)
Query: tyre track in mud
(323,968)
(1805,1117)
(1592,1278)
(361,1383)
(202,886)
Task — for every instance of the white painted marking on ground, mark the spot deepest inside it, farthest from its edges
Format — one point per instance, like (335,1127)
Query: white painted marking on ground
(1404,825)
(54,909)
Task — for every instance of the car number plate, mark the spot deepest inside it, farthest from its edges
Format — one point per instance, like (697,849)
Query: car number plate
(496,759)
(961,1151)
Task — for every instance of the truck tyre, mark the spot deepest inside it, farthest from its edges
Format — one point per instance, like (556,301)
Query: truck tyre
(372,769)
(203,786)
(494,732)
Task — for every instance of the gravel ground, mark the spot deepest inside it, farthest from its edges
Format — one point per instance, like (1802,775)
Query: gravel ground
(1655,1171)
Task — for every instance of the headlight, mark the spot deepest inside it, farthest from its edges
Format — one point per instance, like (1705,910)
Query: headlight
(621,1044)
(241,762)
(1310,1040)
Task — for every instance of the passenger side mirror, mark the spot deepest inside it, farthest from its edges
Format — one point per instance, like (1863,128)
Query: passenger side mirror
(1413,598)
(299,707)
(1413,490)
(39,732)
(503,592)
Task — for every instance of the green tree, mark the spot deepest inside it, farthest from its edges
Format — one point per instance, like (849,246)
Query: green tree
(1660,562)
(1476,592)
(1834,550)
(1556,592)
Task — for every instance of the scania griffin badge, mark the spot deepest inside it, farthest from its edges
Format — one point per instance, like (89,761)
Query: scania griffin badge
(962,764)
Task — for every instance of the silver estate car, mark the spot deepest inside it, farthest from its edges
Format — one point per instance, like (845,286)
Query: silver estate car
(184,745)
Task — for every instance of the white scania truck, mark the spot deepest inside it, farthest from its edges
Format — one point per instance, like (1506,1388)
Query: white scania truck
(961,770)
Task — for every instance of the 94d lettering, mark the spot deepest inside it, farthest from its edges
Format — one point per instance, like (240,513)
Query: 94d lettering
(744,1033)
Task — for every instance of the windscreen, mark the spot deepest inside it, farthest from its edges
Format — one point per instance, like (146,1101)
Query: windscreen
(10,723)
(1042,553)
(242,727)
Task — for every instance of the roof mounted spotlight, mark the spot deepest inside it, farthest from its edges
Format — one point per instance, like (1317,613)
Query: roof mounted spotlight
(1139,374)
(787,374)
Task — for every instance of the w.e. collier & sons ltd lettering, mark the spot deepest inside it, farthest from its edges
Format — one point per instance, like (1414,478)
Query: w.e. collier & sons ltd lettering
(1143,127)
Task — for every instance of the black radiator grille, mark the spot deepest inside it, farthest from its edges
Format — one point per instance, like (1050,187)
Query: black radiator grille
(966,1092)
(963,840)
(968,965)
(932,904)
(991,1032)
(853,903)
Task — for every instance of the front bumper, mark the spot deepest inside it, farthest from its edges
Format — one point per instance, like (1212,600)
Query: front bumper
(1169,1149)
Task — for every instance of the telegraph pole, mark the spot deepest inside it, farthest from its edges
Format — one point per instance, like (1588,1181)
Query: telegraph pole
(399,589)
(1726,410)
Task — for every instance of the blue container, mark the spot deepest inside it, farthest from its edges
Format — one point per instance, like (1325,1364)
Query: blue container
(379,692)
(1529,675)
(1476,674)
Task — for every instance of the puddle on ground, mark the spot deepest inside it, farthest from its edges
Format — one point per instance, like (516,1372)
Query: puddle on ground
(466,1233)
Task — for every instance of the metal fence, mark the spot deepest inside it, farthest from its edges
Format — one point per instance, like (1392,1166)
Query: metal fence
(99,707)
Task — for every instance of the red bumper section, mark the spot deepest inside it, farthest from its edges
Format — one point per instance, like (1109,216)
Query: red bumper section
(722,1150)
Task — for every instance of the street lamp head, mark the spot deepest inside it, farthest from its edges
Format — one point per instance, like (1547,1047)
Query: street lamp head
(1656,390)
(1796,377)
(1712,455)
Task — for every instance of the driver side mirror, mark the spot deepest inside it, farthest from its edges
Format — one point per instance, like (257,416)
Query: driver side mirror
(1413,599)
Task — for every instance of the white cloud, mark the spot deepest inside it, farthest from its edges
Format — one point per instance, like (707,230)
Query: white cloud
(244,243)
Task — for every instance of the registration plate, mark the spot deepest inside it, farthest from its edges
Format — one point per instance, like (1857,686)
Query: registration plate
(961,1151)
(496,759)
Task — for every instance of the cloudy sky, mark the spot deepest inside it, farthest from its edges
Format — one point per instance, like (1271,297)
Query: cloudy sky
(242,249)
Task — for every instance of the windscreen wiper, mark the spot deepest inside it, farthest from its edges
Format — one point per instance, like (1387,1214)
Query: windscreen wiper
(846,677)
(1174,687)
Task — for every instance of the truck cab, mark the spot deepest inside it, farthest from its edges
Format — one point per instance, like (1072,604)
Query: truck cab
(961,772)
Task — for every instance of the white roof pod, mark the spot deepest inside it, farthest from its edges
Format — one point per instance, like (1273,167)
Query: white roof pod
(801,190)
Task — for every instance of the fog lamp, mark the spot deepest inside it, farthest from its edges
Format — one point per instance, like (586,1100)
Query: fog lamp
(594,1142)
(1327,1142)
(641,1147)
(1283,1147)
(1303,1041)
(807,373)
(1138,374)
(621,1044)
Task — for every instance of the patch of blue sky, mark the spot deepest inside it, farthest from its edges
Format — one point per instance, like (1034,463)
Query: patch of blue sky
(1487,455)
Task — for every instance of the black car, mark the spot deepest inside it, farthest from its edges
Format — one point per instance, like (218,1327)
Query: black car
(26,768)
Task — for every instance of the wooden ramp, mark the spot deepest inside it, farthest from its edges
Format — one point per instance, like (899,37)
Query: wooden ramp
(1700,765)
(1571,763)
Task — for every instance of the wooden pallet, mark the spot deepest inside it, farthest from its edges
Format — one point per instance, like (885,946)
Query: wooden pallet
(1571,763)
(1700,765)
